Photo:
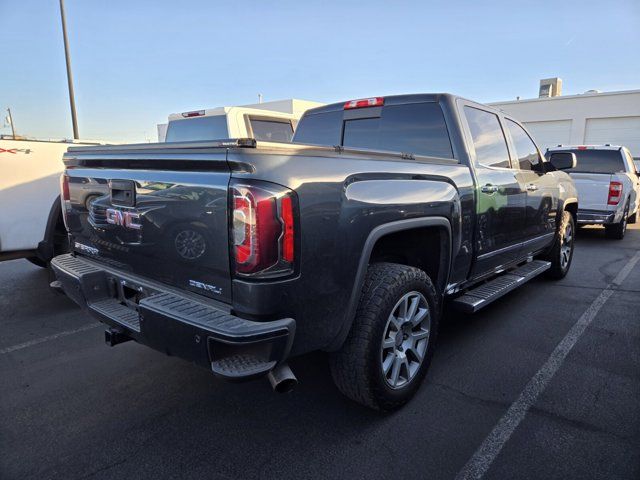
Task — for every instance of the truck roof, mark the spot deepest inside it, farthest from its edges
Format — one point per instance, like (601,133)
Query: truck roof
(391,100)
(606,146)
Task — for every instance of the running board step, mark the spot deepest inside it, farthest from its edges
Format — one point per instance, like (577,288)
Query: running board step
(481,296)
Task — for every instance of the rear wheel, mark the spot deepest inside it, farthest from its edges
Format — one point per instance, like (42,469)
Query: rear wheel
(389,348)
(617,230)
(561,254)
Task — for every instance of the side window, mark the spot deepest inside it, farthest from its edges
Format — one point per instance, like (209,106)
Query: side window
(271,130)
(526,151)
(632,165)
(488,138)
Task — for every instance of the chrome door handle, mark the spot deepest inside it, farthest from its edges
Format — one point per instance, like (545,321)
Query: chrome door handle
(532,187)
(488,188)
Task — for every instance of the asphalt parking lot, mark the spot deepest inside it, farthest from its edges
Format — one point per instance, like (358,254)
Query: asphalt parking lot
(74,408)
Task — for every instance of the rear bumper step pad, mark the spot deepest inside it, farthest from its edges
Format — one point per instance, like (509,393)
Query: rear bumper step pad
(176,324)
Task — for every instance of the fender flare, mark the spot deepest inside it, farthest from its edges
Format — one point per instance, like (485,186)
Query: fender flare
(376,234)
(563,206)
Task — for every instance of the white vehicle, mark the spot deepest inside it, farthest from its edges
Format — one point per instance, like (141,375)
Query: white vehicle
(30,217)
(269,121)
(608,186)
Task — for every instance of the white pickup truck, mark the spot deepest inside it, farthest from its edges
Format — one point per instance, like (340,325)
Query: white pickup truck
(608,186)
(30,217)
(270,121)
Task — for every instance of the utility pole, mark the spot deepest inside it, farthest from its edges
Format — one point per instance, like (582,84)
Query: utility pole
(72,101)
(13,129)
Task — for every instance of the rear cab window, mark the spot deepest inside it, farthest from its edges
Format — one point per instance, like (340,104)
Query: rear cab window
(596,161)
(213,127)
(412,128)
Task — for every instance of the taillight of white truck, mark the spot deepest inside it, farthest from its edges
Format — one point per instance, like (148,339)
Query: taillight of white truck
(263,229)
(615,193)
(65,197)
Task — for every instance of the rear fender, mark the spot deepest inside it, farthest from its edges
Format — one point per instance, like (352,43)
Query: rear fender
(375,235)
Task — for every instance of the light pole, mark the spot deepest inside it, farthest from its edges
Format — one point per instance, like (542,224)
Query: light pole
(13,129)
(72,101)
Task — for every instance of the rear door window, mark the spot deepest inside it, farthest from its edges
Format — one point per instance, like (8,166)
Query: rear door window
(271,130)
(526,151)
(597,161)
(488,138)
(213,127)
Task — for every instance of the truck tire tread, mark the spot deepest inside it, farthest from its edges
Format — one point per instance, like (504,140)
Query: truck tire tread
(556,272)
(352,368)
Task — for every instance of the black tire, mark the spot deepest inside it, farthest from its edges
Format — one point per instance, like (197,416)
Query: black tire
(617,230)
(561,254)
(633,219)
(357,368)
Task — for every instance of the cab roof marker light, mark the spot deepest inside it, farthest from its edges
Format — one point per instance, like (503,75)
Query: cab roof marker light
(195,113)
(364,103)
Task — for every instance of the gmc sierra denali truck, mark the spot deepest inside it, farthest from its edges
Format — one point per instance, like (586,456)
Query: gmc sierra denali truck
(239,254)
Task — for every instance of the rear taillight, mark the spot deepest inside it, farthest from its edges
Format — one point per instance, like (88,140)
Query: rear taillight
(364,102)
(262,229)
(65,197)
(615,193)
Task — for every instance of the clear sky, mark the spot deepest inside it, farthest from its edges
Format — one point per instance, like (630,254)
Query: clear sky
(136,61)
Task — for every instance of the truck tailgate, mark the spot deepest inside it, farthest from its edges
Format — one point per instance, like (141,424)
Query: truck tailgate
(159,215)
(593,190)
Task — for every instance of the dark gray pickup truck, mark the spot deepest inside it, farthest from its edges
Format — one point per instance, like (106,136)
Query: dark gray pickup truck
(237,255)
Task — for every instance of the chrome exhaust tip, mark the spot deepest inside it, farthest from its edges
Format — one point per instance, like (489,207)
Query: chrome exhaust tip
(282,379)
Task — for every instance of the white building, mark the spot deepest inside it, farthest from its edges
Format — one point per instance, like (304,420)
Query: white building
(593,118)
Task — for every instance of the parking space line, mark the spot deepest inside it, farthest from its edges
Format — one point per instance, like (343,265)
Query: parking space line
(37,341)
(482,459)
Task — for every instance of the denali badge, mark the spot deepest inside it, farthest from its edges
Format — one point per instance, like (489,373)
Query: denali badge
(125,219)
(205,286)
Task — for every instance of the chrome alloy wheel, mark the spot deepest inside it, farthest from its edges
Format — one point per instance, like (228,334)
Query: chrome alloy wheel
(405,340)
(567,246)
(190,244)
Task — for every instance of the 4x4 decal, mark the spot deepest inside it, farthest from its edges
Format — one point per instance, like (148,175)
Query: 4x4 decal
(15,150)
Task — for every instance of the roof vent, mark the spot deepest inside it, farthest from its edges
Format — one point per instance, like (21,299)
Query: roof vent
(550,87)
(590,92)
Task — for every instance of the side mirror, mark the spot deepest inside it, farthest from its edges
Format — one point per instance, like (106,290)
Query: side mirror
(562,160)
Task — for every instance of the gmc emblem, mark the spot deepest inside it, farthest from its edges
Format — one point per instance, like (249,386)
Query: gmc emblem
(124,219)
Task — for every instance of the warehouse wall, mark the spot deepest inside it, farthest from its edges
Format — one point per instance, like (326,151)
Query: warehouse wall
(596,118)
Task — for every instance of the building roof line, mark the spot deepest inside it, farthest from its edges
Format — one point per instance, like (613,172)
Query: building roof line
(563,97)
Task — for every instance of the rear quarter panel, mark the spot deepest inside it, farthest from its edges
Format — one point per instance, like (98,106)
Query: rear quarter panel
(342,199)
